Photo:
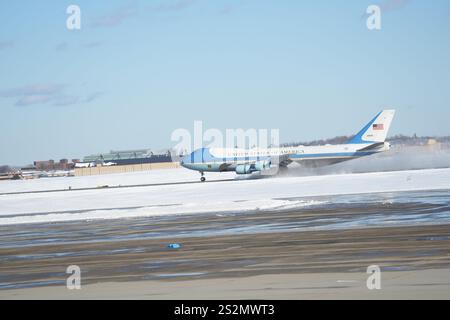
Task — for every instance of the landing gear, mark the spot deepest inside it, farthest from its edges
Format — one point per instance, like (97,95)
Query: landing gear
(202,179)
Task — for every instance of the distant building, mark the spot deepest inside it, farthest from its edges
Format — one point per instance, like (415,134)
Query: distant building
(50,165)
(139,156)
(44,165)
(5,169)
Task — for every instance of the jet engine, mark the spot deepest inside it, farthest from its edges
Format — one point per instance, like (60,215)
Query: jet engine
(262,165)
(245,169)
(250,168)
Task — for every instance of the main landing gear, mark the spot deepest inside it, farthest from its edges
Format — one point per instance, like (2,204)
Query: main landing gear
(202,179)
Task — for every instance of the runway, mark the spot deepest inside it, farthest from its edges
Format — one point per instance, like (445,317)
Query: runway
(109,181)
(104,187)
(278,265)
(271,194)
(419,284)
(276,228)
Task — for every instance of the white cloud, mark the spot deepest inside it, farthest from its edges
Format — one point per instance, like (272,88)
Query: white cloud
(52,94)
(6,44)
(176,5)
(117,17)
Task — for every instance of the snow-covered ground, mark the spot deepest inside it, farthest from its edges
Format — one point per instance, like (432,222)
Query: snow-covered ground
(237,195)
(129,178)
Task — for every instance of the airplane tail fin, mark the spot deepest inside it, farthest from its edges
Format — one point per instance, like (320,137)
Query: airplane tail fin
(376,130)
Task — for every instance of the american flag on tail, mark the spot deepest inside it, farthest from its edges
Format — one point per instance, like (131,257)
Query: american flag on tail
(378,126)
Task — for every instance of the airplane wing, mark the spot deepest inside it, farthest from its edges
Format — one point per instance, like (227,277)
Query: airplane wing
(224,166)
(283,160)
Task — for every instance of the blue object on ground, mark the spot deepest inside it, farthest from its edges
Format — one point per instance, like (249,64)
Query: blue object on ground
(174,246)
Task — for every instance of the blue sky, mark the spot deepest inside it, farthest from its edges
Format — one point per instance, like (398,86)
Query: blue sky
(137,70)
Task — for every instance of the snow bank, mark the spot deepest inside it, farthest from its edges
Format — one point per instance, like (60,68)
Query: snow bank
(237,195)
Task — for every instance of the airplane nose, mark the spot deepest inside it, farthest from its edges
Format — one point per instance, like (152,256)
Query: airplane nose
(184,161)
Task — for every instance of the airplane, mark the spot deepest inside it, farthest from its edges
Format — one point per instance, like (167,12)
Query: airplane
(370,140)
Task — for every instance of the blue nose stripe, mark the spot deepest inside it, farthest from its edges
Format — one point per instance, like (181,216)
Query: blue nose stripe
(199,156)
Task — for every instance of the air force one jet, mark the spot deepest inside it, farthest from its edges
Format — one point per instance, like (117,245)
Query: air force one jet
(370,140)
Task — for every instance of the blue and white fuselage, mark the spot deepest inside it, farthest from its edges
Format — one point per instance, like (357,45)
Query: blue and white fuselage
(370,140)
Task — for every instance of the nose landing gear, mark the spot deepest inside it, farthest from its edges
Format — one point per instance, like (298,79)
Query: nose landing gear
(202,179)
